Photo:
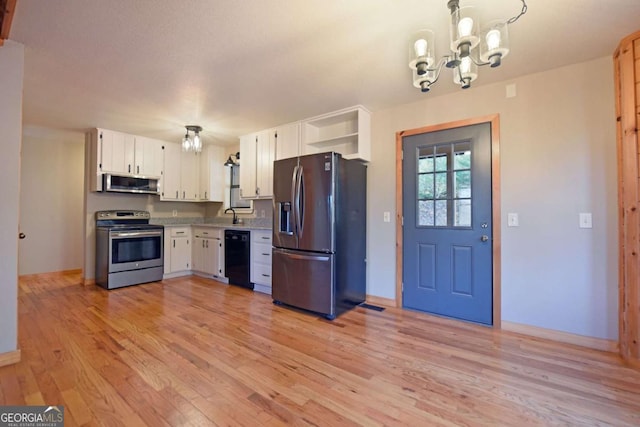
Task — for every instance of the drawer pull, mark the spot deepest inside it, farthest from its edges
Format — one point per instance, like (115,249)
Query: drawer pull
(266,275)
(266,254)
(265,237)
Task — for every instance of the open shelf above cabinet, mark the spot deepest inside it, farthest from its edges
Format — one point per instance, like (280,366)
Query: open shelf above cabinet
(347,132)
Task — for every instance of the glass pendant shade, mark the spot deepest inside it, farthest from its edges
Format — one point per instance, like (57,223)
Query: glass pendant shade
(494,43)
(464,31)
(465,73)
(192,143)
(422,51)
(197,144)
(186,144)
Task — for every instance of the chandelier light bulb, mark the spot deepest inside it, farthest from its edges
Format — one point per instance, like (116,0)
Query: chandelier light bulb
(420,47)
(465,26)
(493,39)
(465,65)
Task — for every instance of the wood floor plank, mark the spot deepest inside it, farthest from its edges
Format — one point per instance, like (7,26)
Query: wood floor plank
(195,352)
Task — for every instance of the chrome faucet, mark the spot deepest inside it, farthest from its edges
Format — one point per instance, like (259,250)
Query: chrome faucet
(235,217)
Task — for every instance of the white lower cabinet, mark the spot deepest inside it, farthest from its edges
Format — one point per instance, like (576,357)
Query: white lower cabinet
(177,251)
(207,251)
(261,260)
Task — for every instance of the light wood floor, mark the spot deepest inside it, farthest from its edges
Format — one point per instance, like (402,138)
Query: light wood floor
(196,352)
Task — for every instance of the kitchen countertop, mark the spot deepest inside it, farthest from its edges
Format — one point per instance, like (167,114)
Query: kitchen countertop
(224,226)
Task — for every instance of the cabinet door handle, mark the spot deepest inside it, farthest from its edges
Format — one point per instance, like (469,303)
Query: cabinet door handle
(174,243)
(176,194)
(203,243)
(207,244)
(184,194)
(205,194)
(138,169)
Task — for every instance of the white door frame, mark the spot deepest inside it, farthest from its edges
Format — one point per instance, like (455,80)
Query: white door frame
(494,120)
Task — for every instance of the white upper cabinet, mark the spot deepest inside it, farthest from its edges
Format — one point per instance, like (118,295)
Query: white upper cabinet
(257,152)
(122,153)
(248,161)
(170,183)
(287,138)
(148,157)
(189,175)
(212,174)
(180,179)
(116,151)
(347,132)
(265,154)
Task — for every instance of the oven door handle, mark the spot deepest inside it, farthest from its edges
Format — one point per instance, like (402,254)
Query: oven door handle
(136,233)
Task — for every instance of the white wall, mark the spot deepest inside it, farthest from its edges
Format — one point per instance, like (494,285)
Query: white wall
(11,81)
(558,158)
(51,199)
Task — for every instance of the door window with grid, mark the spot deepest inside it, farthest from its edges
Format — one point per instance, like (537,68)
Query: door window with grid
(444,185)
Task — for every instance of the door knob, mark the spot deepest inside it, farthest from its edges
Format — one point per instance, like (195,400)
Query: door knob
(484,238)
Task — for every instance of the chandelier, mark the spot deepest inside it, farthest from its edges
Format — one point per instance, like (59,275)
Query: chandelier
(192,143)
(470,48)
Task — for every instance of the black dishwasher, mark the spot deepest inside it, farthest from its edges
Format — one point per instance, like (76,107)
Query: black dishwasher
(237,252)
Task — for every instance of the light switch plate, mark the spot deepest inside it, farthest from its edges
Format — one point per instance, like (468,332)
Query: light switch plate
(513,220)
(387,217)
(585,220)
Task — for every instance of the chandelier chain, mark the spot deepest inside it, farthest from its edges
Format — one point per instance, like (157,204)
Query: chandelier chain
(522,12)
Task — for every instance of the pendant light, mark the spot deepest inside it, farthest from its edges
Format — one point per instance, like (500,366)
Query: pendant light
(469,47)
(192,143)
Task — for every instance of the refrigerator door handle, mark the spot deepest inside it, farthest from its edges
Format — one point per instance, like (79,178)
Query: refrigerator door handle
(294,178)
(308,257)
(299,199)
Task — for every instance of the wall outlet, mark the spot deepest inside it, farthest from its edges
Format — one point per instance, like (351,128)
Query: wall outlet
(175,212)
(386,216)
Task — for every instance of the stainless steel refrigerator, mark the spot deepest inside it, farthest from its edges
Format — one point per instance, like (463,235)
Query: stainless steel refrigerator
(319,233)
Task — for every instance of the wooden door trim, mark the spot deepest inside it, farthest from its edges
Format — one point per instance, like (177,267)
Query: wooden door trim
(6,18)
(494,121)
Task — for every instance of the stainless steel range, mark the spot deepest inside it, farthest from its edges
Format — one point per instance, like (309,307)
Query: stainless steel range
(129,250)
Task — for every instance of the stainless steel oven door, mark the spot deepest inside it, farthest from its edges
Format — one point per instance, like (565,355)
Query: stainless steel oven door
(134,250)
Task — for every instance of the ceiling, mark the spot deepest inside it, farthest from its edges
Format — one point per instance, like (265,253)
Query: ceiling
(149,67)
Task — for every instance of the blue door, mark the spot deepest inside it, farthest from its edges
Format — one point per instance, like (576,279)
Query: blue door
(447,244)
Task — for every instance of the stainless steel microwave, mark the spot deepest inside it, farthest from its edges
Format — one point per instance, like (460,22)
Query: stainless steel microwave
(130,184)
